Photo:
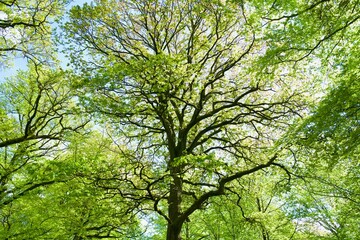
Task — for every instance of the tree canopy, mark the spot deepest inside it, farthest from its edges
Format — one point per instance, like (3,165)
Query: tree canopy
(180,119)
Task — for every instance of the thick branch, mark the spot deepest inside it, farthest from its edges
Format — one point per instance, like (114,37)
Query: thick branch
(221,188)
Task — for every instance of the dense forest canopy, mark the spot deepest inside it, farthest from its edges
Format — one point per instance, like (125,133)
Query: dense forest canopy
(180,119)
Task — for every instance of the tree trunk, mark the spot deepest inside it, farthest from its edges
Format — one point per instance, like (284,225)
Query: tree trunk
(175,223)
(173,232)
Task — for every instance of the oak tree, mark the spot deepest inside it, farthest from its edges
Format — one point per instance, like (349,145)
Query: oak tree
(181,84)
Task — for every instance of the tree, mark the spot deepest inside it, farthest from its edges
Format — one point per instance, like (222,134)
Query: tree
(183,86)
(74,207)
(329,147)
(25,28)
(37,112)
(326,143)
(309,31)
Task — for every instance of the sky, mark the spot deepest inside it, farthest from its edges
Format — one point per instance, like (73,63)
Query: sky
(8,71)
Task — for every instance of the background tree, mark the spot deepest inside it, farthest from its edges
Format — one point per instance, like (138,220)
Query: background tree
(326,144)
(316,30)
(25,29)
(72,207)
(43,194)
(36,115)
(329,146)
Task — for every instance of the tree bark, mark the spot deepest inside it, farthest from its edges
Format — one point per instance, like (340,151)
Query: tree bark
(174,232)
(175,223)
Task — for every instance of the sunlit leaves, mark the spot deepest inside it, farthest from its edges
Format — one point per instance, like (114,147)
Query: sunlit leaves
(25,29)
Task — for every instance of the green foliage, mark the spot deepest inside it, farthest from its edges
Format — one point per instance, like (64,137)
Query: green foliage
(326,145)
(201,92)
(25,29)
(74,206)
(196,130)
(335,126)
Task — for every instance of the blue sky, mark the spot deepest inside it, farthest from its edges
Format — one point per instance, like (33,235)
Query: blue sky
(7,71)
